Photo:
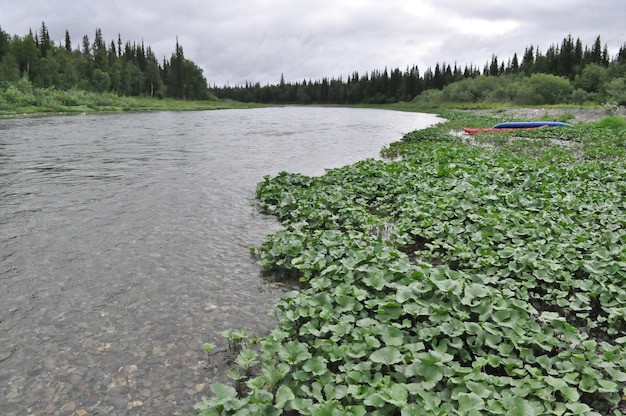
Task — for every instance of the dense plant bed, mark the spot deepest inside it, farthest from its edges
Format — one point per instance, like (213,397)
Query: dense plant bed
(459,280)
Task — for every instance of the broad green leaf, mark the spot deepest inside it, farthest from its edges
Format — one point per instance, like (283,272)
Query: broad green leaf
(404,293)
(607,386)
(372,342)
(315,365)
(616,374)
(578,408)
(393,336)
(479,389)
(347,303)
(357,410)
(453,328)
(395,394)
(470,403)
(507,253)
(222,392)
(294,352)
(594,266)
(413,409)
(430,373)
(333,391)
(283,395)
(301,405)
(374,400)
(434,357)
(588,384)
(247,359)
(448,285)
(569,393)
(261,396)
(374,280)
(387,356)
(321,299)
(521,408)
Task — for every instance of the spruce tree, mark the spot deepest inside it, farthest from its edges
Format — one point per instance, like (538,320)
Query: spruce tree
(68,42)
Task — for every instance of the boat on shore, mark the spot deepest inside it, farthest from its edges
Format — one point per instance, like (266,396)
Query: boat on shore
(530,124)
(494,130)
(516,125)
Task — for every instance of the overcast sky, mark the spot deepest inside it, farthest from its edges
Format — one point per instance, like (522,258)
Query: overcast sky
(235,41)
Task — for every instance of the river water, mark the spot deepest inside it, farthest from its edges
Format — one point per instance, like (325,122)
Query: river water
(124,246)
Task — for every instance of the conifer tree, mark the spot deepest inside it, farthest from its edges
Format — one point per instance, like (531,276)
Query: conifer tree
(514,64)
(528,61)
(595,55)
(4,43)
(44,41)
(68,42)
(99,51)
(494,69)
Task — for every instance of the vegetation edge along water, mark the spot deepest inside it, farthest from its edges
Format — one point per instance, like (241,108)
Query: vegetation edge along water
(460,276)
(27,101)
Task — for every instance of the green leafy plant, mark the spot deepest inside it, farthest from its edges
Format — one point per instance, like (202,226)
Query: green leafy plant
(613,122)
(208,348)
(497,287)
(236,339)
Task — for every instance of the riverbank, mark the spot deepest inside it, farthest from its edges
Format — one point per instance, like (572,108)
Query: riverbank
(29,102)
(573,114)
(456,279)
(51,102)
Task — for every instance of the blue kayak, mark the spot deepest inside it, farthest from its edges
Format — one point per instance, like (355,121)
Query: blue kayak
(530,124)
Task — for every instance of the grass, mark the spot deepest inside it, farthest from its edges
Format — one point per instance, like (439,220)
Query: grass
(16,102)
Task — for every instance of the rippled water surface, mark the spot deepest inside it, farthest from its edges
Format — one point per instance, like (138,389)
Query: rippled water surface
(124,246)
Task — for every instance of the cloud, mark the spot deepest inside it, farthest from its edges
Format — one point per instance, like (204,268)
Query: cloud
(258,40)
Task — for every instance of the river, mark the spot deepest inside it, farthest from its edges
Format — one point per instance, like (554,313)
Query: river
(124,245)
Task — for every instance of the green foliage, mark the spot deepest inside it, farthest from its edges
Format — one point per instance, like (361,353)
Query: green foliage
(616,91)
(613,122)
(131,71)
(504,88)
(546,89)
(23,98)
(430,98)
(19,94)
(537,89)
(432,134)
(591,78)
(457,281)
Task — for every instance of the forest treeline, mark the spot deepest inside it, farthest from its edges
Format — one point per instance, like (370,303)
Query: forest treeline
(126,69)
(569,72)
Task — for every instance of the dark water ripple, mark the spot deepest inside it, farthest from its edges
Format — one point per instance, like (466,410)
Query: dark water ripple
(124,246)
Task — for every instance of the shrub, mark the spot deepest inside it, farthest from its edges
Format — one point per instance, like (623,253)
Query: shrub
(429,97)
(591,78)
(15,96)
(547,89)
(613,122)
(616,91)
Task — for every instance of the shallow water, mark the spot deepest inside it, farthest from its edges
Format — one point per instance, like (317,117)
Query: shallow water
(124,246)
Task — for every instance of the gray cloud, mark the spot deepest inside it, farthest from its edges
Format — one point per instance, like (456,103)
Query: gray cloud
(244,40)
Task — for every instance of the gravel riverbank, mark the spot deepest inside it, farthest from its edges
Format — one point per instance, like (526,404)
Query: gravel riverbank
(575,115)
